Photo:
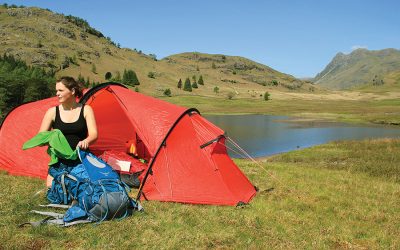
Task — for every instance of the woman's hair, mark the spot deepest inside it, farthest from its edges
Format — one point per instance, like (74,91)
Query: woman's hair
(71,84)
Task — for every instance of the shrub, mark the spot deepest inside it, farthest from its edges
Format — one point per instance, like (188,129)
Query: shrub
(167,92)
(65,62)
(117,77)
(153,56)
(108,76)
(267,96)
(94,69)
(74,60)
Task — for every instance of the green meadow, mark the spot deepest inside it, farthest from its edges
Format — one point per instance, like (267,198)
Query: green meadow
(385,111)
(341,195)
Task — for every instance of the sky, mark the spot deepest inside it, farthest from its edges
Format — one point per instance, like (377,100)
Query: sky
(297,37)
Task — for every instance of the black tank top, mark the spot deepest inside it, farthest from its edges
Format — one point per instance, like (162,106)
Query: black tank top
(73,131)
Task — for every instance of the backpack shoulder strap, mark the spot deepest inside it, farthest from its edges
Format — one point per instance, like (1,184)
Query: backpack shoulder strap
(52,219)
(56,206)
(50,214)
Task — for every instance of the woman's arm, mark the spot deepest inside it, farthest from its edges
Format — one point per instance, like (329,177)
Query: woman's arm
(46,126)
(48,119)
(92,128)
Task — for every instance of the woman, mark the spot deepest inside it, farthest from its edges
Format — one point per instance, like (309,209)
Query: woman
(76,121)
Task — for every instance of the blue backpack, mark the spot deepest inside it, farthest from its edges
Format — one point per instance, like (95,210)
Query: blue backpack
(95,191)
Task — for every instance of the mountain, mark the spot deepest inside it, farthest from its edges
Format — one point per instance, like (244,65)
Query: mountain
(68,45)
(361,68)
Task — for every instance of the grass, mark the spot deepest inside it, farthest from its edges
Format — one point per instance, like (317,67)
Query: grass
(339,195)
(376,158)
(354,111)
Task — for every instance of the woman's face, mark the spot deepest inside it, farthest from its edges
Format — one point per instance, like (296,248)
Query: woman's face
(63,93)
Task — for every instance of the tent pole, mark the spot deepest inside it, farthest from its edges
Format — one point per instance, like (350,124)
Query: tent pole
(149,169)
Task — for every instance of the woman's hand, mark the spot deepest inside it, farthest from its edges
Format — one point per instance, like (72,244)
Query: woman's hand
(84,144)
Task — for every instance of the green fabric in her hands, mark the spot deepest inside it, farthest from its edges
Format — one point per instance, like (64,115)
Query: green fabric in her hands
(58,145)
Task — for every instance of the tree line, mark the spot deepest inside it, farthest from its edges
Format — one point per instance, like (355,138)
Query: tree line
(128,77)
(188,85)
(20,83)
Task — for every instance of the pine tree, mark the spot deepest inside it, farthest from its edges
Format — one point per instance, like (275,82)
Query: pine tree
(81,79)
(124,76)
(117,77)
(201,81)
(187,86)
(194,85)
(37,73)
(194,79)
(180,84)
(129,77)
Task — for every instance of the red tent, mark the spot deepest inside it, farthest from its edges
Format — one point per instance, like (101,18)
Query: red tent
(187,158)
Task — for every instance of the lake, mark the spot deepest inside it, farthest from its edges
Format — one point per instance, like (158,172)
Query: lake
(263,135)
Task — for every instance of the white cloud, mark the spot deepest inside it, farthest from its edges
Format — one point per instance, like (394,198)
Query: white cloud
(354,47)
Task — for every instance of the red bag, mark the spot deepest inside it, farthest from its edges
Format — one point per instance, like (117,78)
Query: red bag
(122,162)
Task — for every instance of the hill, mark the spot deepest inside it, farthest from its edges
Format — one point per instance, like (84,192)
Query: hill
(362,68)
(68,45)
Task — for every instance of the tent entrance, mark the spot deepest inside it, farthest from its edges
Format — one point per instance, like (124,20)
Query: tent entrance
(116,131)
